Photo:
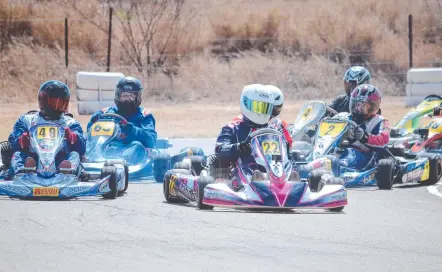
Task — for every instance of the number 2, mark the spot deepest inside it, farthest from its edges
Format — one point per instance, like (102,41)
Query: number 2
(330,128)
(272,147)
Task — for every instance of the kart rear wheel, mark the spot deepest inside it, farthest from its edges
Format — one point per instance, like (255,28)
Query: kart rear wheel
(337,209)
(202,183)
(126,171)
(397,151)
(315,181)
(435,168)
(112,172)
(166,185)
(161,165)
(181,165)
(197,163)
(384,174)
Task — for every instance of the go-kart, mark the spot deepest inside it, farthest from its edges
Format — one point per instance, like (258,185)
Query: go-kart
(104,148)
(45,180)
(311,113)
(426,140)
(267,183)
(382,169)
(404,129)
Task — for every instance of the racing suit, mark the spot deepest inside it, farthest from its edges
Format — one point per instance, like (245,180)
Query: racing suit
(74,149)
(139,129)
(341,103)
(277,124)
(362,152)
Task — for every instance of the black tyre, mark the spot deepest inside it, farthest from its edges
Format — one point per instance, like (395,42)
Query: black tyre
(202,183)
(161,165)
(315,181)
(336,181)
(337,209)
(435,168)
(384,174)
(112,172)
(166,185)
(197,163)
(297,156)
(181,165)
(126,171)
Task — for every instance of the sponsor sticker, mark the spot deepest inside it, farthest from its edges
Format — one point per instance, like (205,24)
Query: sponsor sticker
(45,191)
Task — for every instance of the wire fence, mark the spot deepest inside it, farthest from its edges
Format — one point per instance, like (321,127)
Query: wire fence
(104,51)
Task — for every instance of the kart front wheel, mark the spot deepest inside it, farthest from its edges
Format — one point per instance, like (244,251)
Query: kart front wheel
(168,186)
(112,172)
(202,183)
(161,165)
(126,171)
(384,174)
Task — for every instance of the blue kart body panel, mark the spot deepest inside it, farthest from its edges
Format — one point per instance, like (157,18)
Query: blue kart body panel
(103,144)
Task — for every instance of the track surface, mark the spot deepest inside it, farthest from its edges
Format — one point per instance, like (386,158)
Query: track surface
(397,230)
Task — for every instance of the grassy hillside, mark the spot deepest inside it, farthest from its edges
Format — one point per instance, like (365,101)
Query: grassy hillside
(201,50)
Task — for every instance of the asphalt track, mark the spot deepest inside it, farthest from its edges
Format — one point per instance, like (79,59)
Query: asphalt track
(397,230)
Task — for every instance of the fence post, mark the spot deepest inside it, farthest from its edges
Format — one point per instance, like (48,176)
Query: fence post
(410,40)
(66,42)
(109,39)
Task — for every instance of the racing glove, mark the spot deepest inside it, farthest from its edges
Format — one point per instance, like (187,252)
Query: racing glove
(24,140)
(70,136)
(244,149)
(127,128)
(358,134)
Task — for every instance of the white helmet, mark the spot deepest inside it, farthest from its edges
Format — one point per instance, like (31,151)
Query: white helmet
(279,99)
(256,103)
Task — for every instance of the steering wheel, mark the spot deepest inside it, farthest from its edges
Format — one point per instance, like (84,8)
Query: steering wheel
(115,116)
(261,131)
(331,112)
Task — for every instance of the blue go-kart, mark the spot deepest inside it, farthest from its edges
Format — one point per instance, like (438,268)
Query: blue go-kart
(382,169)
(140,163)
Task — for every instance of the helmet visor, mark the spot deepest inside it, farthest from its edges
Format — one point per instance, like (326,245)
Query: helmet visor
(349,86)
(57,103)
(259,107)
(360,107)
(127,97)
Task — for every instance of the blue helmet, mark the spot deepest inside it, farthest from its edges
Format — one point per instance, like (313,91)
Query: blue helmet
(128,94)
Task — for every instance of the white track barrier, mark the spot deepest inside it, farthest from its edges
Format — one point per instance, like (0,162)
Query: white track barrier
(95,90)
(422,82)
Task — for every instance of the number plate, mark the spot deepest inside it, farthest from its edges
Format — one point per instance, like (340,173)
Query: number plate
(103,129)
(47,132)
(270,148)
(331,129)
(45,191)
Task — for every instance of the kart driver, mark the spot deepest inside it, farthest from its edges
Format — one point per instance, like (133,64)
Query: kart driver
(141,123)
(353,77)
(373,131)
(256,104)
(53,100)
(275,122)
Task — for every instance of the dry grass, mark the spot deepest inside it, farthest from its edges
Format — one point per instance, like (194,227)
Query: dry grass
(301,45)
(191,119)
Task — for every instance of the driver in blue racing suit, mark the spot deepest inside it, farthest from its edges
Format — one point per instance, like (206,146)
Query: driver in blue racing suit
(53,100)
(256,104)
(373,131)
(140,126)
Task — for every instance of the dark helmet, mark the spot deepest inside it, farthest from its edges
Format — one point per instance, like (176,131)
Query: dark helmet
(354,76)
(53,99)
(128,93)
(365,101)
